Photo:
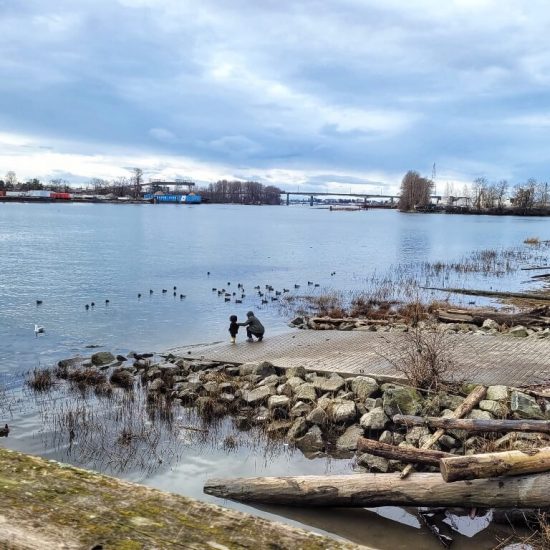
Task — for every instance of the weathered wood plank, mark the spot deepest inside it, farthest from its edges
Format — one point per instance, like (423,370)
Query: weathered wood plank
(404,454)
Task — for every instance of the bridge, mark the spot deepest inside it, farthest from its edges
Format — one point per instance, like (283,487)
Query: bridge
(364,196)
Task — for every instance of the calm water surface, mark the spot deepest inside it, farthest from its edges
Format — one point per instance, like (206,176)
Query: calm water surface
(69,255)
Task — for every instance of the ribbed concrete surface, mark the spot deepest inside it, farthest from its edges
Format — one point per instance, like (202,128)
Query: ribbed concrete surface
(481,358)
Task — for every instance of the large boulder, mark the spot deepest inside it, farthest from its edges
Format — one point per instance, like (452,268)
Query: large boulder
(497,393)
(525,406)
(500,410)
(401,400)
(363,386)
(348,440)
(317,416)
(312,441)
(298,429)
(257,395)
(300,409)
(333,384)
(490,324)
(102,358)
(373,463)
(375,419)
(341,411)
(262,369)
(476,414)
(278,402)
(519,332)
(305,392)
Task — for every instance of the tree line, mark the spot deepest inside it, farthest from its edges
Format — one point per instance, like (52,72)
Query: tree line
(481,195)
(222,191)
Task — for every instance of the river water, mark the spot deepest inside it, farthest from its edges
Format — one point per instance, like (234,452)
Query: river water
(70,255)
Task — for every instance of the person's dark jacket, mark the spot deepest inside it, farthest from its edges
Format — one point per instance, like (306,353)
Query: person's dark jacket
(253,324)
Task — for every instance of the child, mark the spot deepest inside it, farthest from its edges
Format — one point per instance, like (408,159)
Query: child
(233,328)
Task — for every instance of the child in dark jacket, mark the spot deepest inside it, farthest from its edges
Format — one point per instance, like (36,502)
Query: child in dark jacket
(233,328)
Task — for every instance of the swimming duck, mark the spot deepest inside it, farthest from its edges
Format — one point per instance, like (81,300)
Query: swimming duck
(4,431)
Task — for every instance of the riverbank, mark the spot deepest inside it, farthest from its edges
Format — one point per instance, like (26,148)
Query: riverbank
(47,505)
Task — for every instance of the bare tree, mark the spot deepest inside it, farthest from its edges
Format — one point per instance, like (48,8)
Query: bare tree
(137,180)
(415,191)
(10,180)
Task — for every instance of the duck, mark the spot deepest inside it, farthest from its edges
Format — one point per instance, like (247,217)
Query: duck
(175,288)
(93,304)
(285,290)
(227,299)
(309,283)
(214,289)
(38,302)
(87,306)
(4,431)
(208,273)
(150,291)
(265,302)
(38,329)
(107,302)
(257,287)
(274,299)
(238,301)
(278,293)
(296,286)
(175,292)
(164,291)
(182,296)
(139,294)
(316,285)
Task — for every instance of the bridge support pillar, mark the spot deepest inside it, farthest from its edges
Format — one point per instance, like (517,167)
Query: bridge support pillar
(391,200)
(311,200)
(287,199)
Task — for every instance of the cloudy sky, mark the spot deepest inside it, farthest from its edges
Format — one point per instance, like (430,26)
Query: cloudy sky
(334,94)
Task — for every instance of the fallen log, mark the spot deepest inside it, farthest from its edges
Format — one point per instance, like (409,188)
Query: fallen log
(492,293)
(477,394)
(404,454)
(474,425)
(509,463)
(477,318)
(368,490)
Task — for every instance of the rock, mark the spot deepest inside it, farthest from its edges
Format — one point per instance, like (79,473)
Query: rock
(298,429)
(386,437)
(497,393)
(300,409)
(500,410)
(257,395)
(272,380)
(278,402)
(346,326)
(263,416)
(262,369)
(341,411)
(448,442)
(297,321)
(227,397)
(312,441)
(122,378)
(324,402)
(398,438)
(277,427)
(295,381)
(285,389)
(415,434)
(299,372)
(348,440)
(401,400)
(211,388)
(373,463)
(305,392)
(490,324)
(375,419)
(317,416)
(187,397)
(371,403)
(476,414)
(364,386)
(71,362)
(519,331)
(525,406)
(156,385)
(450,401)
(102,358)
(333,384)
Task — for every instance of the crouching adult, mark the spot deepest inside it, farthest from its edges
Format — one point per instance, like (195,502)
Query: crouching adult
(253,327)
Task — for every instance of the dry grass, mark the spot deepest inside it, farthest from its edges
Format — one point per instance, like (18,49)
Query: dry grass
(41,380)
(534,241)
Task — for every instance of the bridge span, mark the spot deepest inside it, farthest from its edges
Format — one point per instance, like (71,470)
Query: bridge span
(364,196)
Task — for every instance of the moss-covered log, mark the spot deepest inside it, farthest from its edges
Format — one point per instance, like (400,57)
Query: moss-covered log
(47,505)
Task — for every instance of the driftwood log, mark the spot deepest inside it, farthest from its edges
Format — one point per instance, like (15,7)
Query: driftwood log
(486,465)
(368,490)
(404,454)
(477,394)
(492,293)
(479,317)
(474,425)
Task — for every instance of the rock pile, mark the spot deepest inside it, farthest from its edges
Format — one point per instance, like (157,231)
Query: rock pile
(320,413)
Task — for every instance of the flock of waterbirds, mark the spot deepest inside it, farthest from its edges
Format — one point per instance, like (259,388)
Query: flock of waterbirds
(267,294)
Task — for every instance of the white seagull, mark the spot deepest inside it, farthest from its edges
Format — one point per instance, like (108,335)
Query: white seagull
(38,330)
